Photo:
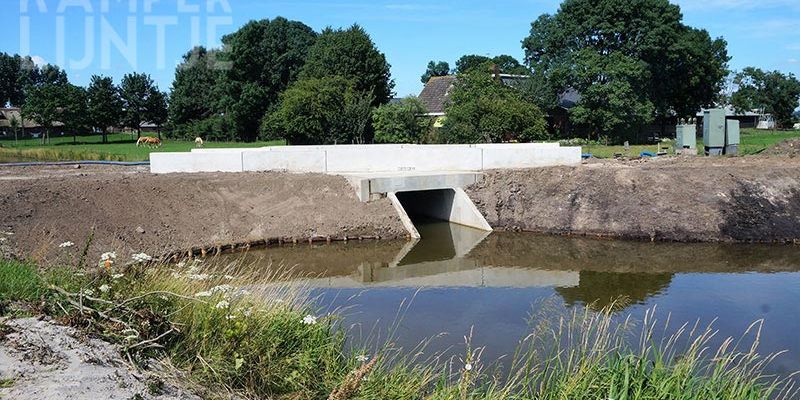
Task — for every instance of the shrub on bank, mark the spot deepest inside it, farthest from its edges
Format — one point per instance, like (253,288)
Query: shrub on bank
(256,336)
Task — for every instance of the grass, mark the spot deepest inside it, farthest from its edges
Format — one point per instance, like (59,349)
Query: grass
(246,334)
(121,147)
(753,142)
(19,281)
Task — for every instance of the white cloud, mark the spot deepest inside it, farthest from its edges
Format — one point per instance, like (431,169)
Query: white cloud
(792,61)
(38,60)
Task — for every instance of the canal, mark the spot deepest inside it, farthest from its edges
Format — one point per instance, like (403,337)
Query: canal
(457,279)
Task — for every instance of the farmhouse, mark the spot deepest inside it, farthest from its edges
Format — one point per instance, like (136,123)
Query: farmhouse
(436,94)
(7,117)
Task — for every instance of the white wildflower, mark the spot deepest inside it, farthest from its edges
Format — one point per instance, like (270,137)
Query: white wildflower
(105,288)
(230,277)
(141,257)
(248,312)
(310,320)
(222,304)
(88,292)
(111,255)
(181,264)
(362,358)
(230,317)
(222,289)
(468,367)
(117,276)
(203,294)
(199,277)
(66,244)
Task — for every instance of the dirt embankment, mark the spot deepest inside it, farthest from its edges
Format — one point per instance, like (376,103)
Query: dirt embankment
(746,199)
(132,211)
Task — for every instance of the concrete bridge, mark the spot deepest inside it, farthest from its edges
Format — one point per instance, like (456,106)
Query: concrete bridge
(426,180)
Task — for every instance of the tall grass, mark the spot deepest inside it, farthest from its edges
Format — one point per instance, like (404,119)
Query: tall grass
(255,335)
(19,282)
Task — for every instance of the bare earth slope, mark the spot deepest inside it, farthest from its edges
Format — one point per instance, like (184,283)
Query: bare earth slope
(133,211)
(678,199)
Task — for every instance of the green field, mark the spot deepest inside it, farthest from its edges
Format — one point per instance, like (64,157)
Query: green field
(753,141)
(121,147)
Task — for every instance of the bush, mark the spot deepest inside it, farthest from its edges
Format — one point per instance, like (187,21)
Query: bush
(401,122)
(320,111)
(485,110)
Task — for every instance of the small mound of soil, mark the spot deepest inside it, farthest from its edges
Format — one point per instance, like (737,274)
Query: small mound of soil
(786,148)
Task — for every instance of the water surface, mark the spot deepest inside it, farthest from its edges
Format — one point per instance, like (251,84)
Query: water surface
(456,279)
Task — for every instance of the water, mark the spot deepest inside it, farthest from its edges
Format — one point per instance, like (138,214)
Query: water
(457,279)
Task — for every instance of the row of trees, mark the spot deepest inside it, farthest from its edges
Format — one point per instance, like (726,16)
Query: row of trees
(46,96)
(633,63)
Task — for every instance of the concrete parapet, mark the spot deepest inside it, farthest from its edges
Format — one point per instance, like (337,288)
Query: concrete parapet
(307,161)
(383,158)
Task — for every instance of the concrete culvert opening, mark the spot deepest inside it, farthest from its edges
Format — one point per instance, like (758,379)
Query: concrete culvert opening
(451,205)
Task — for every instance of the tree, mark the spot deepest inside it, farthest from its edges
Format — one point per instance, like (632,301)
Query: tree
(193,90)
(509,65)
(9,73)
(320,111)
(631,60)
(135,92)
(157,109)
(482,109)
(43,104)
(401,122)
(773,92)
(74,114)
(470,62)
(350,53)
(262,59)
(504,63)
(104,104)
(15,124)
(440,68)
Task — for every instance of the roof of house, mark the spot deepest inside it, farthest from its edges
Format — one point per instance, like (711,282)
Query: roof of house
(7,114)
(436,93)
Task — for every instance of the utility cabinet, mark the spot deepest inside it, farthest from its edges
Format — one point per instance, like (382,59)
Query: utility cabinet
(720,136)
(686,137)
(732,137)
(714,131)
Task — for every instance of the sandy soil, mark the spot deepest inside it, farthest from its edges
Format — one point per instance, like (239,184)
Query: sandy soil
(40,360)
(743,199)
(131,211)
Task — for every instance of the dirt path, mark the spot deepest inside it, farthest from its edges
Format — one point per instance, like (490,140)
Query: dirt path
(41,360)
(133,211)
(675,199)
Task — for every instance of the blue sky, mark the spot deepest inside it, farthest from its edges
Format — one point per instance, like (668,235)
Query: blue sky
(762,33)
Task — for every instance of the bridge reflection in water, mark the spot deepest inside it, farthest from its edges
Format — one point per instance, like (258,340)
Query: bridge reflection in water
(495,282)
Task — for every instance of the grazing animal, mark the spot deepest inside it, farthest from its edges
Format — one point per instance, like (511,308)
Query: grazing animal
(198,142)
(149,141)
